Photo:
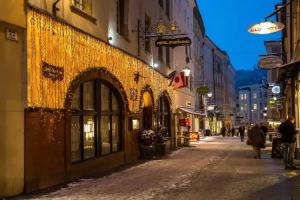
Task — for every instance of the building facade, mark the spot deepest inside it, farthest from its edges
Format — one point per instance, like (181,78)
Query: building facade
(87,78)
(219,77)
(12,45)
(253,104)
(289,73)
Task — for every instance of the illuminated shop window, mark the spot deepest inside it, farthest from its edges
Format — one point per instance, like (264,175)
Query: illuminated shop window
(241,96)
(96,122)
(163,114)
(245,96)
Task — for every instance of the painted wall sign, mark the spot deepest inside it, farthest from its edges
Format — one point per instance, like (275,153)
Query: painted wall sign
(184,41)
(270,62)
(11,34)
(53,72)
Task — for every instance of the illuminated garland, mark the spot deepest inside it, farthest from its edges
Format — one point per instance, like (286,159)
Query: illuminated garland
(57,44)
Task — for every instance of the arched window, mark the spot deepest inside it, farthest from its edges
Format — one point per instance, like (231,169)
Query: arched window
(163,114)
(96,121)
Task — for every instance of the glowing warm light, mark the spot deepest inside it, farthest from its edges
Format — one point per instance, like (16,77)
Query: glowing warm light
(186,71)
(266,27)
(155,65)
(209,94)
(61,45)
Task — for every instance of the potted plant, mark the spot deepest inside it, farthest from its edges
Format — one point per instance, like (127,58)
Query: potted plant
(159,142)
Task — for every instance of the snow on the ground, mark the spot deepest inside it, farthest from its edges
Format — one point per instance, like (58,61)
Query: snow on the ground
(145,181)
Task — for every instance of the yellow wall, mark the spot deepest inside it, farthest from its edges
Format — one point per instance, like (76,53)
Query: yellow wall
(13,12)
(11,113)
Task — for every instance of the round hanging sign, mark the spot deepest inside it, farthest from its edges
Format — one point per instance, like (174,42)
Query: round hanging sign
(270,62)
(276,89)
(266,27)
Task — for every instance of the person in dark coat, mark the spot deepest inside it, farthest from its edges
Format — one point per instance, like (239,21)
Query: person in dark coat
(242,133)
(232,131)
(257,138)
(288,138)
(223,131)
(264,129)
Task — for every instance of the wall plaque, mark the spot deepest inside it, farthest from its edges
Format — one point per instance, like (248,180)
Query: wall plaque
(53,72)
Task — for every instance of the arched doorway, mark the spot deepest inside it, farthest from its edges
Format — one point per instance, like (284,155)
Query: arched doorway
(147,108)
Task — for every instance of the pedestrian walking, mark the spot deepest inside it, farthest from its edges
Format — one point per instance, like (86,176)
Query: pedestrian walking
(288,137)
(223,131)
(264,129)
(232,131)
(242,133)
(257,139)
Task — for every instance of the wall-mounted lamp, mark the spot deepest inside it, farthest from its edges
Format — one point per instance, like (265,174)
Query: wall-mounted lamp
(136,76)
(187,71)
(155,65)
(209,94)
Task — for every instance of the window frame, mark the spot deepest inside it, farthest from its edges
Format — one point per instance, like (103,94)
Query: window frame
(164,113)
(98,114)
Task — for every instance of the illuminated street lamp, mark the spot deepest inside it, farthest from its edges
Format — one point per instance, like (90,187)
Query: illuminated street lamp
(186,71)
(209,94)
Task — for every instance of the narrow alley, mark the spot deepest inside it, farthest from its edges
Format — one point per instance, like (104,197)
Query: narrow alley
(214,168)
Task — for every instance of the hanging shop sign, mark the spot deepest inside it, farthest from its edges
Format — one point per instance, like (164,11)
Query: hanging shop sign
(170,42)
(276,89)
(203,90)
(53,72)
(270,62)
(266,27)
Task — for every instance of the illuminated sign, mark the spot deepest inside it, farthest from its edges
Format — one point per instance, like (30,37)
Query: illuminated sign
(276,89)
(185,41)
(270,62)
(266,27)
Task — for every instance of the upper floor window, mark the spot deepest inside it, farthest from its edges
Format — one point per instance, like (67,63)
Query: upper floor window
(161,3)
(168,8)
(147,27)
(122,17)
(160,54)
(241,96)
(96,121)
(254,95)
(168,59)
(84,5)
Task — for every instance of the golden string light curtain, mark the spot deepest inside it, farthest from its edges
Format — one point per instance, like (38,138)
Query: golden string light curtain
(63,47)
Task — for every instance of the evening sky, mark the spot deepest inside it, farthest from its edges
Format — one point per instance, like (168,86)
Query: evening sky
(226,23)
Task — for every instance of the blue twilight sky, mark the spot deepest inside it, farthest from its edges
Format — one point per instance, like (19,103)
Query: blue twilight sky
(226,23)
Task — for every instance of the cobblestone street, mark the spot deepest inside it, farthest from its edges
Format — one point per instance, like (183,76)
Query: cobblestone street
(215,168)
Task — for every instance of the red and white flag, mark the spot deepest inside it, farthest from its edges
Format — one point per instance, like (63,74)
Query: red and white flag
(179,80)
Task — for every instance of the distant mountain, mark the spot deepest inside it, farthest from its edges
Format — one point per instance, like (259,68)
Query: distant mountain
(249,77)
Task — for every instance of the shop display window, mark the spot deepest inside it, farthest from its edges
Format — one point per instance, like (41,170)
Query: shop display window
(96,121)
(163,115)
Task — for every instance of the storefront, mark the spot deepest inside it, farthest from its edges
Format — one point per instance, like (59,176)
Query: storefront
(86,102)
(187,125)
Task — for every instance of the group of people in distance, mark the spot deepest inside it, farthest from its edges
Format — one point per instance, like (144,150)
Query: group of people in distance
(257,138)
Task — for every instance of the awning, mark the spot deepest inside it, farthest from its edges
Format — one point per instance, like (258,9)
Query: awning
(190,111)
